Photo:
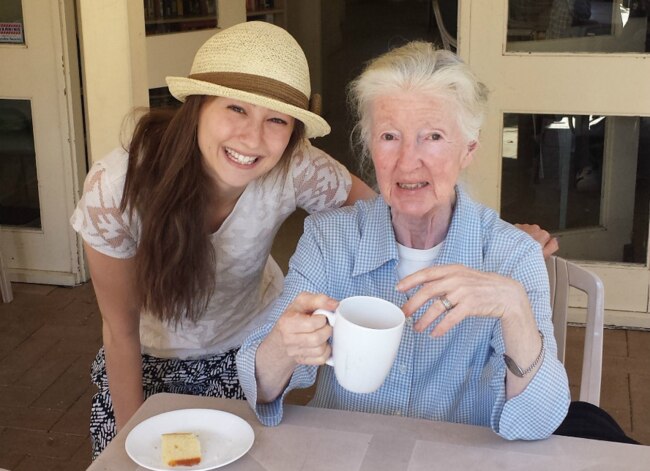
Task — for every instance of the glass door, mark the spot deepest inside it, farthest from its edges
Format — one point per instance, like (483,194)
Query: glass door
(567,135)
(39,104)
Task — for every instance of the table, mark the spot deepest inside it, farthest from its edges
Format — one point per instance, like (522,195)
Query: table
(321,439)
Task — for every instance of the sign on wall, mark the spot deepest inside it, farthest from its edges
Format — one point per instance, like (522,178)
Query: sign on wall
(11,33)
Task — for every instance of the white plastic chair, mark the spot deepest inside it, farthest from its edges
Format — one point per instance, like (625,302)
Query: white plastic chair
(5,284)
(563,275)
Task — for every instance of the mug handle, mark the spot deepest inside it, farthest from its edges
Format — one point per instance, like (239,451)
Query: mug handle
(331,319)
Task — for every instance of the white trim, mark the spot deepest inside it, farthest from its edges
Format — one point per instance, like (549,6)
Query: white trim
(622,319)
(44,277)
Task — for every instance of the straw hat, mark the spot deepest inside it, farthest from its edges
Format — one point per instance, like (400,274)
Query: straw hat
(258,63)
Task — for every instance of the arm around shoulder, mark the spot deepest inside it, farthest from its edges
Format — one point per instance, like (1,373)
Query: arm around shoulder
(549,244)
(358,191)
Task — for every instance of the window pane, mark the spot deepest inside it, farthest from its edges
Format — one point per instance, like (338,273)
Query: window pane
(578,26)
(19,202)
(11,22)
(566,173)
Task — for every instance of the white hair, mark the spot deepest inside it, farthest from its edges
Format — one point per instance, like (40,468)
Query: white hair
(417,67)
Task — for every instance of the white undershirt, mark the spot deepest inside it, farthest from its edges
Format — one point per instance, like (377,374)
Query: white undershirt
(412,260)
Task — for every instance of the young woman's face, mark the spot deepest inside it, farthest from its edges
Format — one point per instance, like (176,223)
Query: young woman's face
(240,142)
(418,151)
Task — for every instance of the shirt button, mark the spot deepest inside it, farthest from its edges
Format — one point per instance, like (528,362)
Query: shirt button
(409,321)
(403,368)
(397,412)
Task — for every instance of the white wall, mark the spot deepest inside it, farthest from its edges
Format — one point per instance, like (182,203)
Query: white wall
(113,60)
(172,54)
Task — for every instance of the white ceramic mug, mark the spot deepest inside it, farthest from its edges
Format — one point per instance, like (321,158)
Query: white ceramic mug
(367,333)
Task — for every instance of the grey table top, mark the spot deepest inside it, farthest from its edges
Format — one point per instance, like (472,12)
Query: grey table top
(322,439)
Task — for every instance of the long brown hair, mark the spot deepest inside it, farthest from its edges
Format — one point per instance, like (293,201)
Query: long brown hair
(169,188)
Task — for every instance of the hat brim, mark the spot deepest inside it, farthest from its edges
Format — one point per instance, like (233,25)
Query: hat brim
(182,87)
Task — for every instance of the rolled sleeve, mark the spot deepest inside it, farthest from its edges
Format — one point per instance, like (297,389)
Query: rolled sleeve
(537,411)
(269,414)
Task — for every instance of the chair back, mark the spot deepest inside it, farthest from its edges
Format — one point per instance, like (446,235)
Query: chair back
(562,276)
(5,284)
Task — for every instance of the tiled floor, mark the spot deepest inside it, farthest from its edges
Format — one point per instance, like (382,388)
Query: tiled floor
(48,336)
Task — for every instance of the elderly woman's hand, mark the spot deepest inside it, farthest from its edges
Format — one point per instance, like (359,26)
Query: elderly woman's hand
(298,337)
(549,243)
(467,292)
(300,334)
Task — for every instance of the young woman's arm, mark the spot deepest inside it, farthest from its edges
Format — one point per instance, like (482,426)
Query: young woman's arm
(549,244)
(113,281)
(359,191)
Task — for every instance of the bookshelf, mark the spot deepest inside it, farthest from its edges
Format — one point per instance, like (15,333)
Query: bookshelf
(272,11)
(173,16)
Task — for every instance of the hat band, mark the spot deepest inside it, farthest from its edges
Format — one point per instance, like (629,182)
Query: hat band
(256,84)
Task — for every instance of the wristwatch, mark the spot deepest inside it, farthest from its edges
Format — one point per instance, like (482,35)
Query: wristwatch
(516,369)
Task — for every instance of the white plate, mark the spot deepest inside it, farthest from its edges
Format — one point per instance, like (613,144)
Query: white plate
(224,438)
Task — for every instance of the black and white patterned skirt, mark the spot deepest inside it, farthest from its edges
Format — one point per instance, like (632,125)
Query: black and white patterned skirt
(214,376)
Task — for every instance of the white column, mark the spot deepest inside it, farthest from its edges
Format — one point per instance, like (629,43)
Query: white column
(114,67)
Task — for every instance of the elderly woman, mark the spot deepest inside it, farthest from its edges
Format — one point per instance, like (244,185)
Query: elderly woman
(478,347)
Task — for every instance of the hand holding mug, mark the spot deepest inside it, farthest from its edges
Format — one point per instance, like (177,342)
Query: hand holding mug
(365,335)
(303,337)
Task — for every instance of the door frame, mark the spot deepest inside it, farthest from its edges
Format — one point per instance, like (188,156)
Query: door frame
(51,254)
(482,34)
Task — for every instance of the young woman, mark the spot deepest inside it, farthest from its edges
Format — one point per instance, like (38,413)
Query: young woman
(178,228)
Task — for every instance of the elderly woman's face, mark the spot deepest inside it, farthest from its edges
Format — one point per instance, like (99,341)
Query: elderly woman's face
(418,151)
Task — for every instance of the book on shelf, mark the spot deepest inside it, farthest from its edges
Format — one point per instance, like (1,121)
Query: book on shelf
(165,9)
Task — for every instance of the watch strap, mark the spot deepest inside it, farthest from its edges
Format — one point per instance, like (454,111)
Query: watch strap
(516,369)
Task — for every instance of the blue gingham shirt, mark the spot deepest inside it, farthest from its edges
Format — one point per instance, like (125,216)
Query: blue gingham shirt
(459,377)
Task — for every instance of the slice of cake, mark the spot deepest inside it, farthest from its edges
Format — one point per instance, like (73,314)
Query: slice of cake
(181,449)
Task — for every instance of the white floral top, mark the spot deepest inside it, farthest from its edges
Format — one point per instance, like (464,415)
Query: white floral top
(247,278)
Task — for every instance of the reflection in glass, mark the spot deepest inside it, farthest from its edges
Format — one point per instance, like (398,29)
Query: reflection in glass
(19,202)
(578,26)
(566,173)
(11,22)
(173,16)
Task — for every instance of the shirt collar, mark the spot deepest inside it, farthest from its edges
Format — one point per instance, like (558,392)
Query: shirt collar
(463,244)
(378,244)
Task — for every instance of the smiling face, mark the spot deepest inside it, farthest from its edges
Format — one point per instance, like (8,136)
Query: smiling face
(418,151)
(240,142)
